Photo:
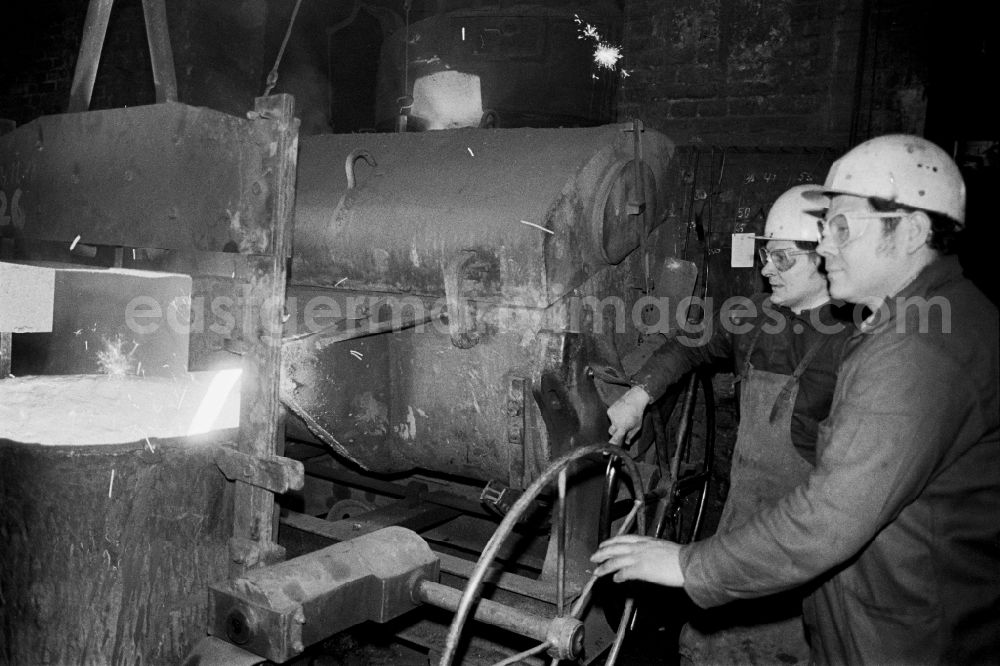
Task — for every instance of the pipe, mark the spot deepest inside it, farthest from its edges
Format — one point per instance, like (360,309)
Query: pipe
(496,614)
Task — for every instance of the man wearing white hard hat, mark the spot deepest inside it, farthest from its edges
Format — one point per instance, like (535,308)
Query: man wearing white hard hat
(898,523)
(785,350)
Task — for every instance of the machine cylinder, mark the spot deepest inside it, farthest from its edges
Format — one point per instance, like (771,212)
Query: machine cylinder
(501,245)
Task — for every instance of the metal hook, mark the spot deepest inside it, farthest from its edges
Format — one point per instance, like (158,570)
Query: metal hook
(353,157)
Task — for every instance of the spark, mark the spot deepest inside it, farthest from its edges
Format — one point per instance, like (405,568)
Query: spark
(537,226)
(149,444)
(112,484)
(586,30)
(463,33)
(470,151)
(75,241)
(356,354)
(113,360)
(606,55)
(340,282)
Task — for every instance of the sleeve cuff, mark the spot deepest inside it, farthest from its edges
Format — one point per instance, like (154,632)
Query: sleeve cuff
(696,583)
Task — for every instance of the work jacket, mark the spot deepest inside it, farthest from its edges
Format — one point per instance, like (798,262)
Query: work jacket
(785,338)
(900,519)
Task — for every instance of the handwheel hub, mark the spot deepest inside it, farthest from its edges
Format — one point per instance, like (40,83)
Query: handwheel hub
(566,638)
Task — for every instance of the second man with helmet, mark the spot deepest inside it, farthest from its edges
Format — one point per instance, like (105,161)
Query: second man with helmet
(784,348)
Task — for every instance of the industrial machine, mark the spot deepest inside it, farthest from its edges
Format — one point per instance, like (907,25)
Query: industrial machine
(430,327)
(480,292)
(460,308)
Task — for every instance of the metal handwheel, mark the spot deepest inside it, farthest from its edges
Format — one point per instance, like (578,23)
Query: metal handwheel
(680,515)
(564,635)
(686,465)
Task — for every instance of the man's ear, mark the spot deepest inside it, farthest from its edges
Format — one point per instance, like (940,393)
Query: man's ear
(916,228)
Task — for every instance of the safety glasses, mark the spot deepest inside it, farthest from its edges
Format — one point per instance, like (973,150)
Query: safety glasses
(844,228)
(782,259)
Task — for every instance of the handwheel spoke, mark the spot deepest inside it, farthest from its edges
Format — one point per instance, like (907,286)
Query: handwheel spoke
(561,551)
(691,462)
(530,652)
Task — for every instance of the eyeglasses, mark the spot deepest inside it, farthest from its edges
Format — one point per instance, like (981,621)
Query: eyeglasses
(782,259)
(838,228)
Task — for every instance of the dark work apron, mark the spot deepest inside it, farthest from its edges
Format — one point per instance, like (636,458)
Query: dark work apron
(765,467)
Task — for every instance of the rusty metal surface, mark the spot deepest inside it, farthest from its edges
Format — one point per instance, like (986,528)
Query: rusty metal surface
(412,399)
(458,200)
(440,222)
(277,611)
(89,578)
(275,474)
(164,176)
(395,402)
(261,428)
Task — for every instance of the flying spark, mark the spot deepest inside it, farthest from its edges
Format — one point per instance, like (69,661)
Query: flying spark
(113,360)
(606,55)
(537,226)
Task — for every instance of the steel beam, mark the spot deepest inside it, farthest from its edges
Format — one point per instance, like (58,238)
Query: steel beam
(161,55)
(94,30)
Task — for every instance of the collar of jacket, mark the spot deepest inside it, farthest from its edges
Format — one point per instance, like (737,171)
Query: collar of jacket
(823,314)
(939,272)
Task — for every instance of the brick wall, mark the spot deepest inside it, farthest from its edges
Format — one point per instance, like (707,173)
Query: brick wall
(36,62)
(743,72)
(125,76)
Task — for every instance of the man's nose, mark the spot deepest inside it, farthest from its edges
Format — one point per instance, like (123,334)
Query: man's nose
(825,247)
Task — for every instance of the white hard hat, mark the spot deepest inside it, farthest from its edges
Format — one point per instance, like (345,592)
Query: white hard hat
(794,216)
(903,169)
